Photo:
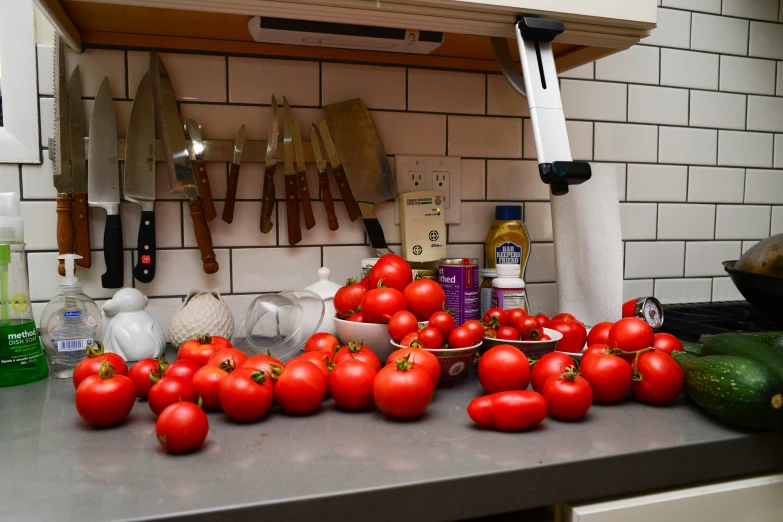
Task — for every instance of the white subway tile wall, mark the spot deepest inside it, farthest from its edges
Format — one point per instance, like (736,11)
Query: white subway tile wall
(688,118)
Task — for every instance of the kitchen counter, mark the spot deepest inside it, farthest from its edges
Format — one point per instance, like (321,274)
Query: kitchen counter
(360,466)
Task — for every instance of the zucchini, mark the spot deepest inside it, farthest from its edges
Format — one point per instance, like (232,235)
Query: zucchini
(738,391)
(682,357)
(770,338)
(691,348)
(743,346)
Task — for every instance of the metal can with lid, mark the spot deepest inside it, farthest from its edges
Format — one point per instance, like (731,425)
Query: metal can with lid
(460,281)
(485,289)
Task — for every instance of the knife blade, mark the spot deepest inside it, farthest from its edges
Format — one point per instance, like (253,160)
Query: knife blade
(323,179)
(233,177)
(103,182)
(139,184)
(304,191)
(62,177)
(177,157)
(338,172)
(76,133)
(291,201)
(270,166)
(193,132)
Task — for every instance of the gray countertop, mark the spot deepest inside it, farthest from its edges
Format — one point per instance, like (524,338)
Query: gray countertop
(362,466)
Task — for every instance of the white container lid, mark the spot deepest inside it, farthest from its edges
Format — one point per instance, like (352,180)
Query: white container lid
(507,270)
(488,272)
(324,287)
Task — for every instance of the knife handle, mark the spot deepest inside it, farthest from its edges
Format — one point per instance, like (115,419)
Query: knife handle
(323,181)
(203,236)
(374,230)
(112,253)
(345,191)
(202,180)
(307,207)
(64,229)
(268,204)
(231,193)
(82,227)
(144,271)
(292,208)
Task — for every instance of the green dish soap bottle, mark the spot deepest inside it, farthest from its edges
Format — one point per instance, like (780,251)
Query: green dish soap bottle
(21,356)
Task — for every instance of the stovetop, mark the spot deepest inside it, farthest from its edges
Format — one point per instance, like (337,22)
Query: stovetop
(689,321)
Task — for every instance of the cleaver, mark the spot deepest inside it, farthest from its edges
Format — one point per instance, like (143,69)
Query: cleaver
(364,162)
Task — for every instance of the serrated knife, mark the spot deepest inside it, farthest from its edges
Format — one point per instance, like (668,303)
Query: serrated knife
(103,182)
(233,177)
(62,178)
(270,167)
(76,134)
(139,182)
(323,179)
(304,191)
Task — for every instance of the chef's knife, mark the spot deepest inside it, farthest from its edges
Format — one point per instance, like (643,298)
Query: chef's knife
(62,158)
(291,200)
(177,157)
(103,182)
(270,166)
(76,133)
(323,179)
(233,177)
(193,131)
(304,192)
(140,176)
(338,172)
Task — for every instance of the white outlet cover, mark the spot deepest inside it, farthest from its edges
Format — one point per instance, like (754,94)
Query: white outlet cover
(404,166)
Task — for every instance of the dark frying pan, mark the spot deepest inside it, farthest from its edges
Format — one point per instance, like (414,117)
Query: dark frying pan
(763,292)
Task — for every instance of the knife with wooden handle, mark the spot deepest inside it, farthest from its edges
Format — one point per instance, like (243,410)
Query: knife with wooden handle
(193,131)
(233,177)
(77,130)
(338,172)
(323,179)
(304,191)
(62,177)
(291,196)
(270,167)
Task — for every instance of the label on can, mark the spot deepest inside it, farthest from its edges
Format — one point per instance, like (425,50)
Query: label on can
(508,298)
(461,285)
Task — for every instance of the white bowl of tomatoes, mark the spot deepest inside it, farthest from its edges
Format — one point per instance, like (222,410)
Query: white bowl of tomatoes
(454,362)
(532,349)
(375,336)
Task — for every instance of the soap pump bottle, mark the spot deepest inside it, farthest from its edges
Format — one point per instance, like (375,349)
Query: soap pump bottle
(21,357)
(70,323)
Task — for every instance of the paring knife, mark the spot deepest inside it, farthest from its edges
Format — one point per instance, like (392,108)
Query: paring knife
(338,172)
(233,177)
(270,166)
(77,132)
(140,176)
(323,179)
(291,201)
(62,178)
(177,157)
(103,182)
(193,131)
(304,192)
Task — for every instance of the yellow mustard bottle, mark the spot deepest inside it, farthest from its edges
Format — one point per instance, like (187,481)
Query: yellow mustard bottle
(508,241)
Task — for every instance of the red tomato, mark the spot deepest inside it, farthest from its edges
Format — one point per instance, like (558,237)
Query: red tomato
(462,337)
(424,298)
(631,334)
(355,350)
(507,333)
(322,342)
(182,427)
(667,343)
(430,337)
(401,324)
(403,390)
(550,365)
(574,334)
(599,334)
(568,397)
(412,340)
(609,375)
(503,368)
(358,317)
(348,299)
(105,399)
(380,304)
(422,358)
(543,320)
(509,411)
(443,321)
(391,271)
(200,349)
(529,328)
(169,390)
(263,362)
(659,379)
(564,317)
(246,394)
(490,333)
(206,382)
(228,359)
(496,317)
(514,314)
(140,374)
(351,384)
(184,368)
(301,387)
(476,328)
(544,337)
(91,364)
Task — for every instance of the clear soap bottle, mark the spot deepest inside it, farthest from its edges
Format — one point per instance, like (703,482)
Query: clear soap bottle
(70,323)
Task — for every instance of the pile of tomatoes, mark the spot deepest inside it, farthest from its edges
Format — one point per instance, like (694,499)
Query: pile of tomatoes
(388,289)
(439,332)
(517,325)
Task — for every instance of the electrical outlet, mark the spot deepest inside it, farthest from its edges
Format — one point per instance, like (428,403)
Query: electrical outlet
(440,181)
(441,173)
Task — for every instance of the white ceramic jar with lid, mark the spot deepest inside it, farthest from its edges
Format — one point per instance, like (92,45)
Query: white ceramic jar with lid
(326,289)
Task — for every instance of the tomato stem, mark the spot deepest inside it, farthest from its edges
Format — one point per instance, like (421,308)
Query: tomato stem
(204,338)
(403,365)
(258,376)
(95,350)
(106,370)
(570,373)
(162,365)
(229,365)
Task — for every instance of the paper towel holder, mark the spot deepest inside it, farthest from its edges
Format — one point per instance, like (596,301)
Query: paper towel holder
(539,85)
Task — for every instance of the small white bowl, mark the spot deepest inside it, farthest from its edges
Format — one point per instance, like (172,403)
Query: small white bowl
(374,336)
(531,349)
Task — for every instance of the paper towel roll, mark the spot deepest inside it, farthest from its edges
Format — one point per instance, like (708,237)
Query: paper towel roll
(589,248)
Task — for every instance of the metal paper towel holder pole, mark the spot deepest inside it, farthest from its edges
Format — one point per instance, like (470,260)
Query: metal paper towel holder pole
(538,83)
